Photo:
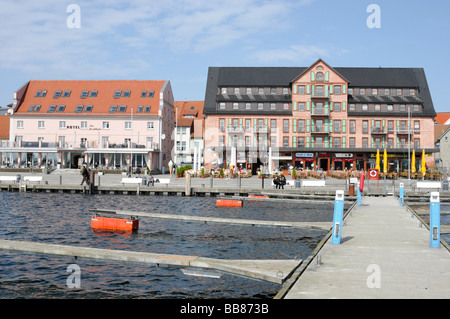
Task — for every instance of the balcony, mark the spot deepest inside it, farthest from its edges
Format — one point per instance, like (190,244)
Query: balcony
(322,112)
(320,96)
(319,130)
(261,129)
(379,131)
(405,131)
(235,129)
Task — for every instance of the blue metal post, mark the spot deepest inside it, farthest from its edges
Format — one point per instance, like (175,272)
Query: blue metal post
(435,220)
(358,194)
(337,217)
(402,194)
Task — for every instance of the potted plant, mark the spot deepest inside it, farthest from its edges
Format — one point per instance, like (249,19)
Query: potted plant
(294,174)
(203,172)
(221,173)
(179,172)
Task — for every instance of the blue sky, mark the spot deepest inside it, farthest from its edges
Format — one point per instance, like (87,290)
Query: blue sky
(179,40)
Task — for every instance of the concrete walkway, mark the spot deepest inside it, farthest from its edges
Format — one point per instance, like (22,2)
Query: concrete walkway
(384,253)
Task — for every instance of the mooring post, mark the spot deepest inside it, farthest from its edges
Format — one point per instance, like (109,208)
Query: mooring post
(188,184)
(435,220)
(402,194)
(337,217)
(358,194)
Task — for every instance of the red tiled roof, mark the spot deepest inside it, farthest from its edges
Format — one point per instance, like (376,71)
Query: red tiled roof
(101,103)
(441,118)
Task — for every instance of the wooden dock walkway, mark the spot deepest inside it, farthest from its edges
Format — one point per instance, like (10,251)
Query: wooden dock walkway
(384,253)
(218,220)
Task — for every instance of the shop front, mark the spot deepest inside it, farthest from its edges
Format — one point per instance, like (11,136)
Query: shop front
(304,161)
(343,161)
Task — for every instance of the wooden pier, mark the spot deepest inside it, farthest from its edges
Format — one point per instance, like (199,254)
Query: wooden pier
(384,253)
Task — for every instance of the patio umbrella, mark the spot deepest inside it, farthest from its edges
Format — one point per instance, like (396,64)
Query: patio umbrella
(423,169)
(377,163)
(413,162)
(385,161)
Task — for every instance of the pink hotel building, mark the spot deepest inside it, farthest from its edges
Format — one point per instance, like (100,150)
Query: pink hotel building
(107,124)
(318,116)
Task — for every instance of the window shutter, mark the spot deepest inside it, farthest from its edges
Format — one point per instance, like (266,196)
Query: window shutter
(313,76)
(313,109)
(294,124)
(343,106)
(307,125)
(327,108)
(308,89)
(327,121)
(307,141)
(343,142)
(295,89)
(308,105)
(331,89)
(312,141)
(343,126)
(295,106)
(327,76)
(294,141)
(331,126)
(326,90)
(331,106)
(344,89)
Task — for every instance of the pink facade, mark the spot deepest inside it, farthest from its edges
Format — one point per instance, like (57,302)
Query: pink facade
(122,120)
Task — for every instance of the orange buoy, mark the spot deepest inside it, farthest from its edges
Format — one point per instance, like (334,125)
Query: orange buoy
(229,203)
(258,196)
(108,223)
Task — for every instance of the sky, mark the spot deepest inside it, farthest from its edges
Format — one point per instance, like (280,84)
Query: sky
(178,40)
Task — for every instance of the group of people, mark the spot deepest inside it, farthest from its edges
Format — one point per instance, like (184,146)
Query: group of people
(279,181)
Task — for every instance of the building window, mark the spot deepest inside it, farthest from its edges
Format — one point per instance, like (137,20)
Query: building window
(106,125)
(319,90)
(128,125)
(301,89)
(301,142)
(67,93)
(260,106)
(79,109)
(351,107)
(88,108)
(402,108)
(62,124)
(301,126)
(416,143)
(273,106)
(93,94)
(57,94)
(337,89)
(416,108)
(235,106)
(117,94)
(222,125)
(84,94)
(364,142)
(301,106)
(113,109)
(84,125)
(337,142)
(61,108)
(377,107)
(147,109)
(248,91)
(122,108)
(416,126)
(412,92)
(364,107)
(399,91)
(41,124)
(221,140)
(151,94)
(386,91)
(390,107)
(365,127)
(337,107)
(51,109)
(352,126)
(150,125)
(390,143)
(222,106)
(248,106)
(126,93)
(374,91)
(337,126)
(285,141)
(285,126)
(362,91)
(19,124)
(352,142)
(319,77)
(62,141)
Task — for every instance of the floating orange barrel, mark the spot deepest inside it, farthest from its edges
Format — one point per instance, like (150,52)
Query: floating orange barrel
(108,223)
(258,196)
(228,203)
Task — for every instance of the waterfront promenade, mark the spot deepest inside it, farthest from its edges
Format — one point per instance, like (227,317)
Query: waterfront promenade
(384,253)
(70,179)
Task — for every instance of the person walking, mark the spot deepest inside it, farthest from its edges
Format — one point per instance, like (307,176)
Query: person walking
(85,174)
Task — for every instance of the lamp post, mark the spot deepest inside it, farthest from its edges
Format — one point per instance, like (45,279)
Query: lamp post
(409,142)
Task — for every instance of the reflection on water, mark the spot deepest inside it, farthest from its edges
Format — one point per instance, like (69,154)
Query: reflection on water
(65,219)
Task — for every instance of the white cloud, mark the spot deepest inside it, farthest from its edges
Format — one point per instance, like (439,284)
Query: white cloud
(117,35)
(296,54)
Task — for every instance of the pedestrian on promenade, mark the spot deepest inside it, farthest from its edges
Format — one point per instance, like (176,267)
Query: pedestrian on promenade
(85,174)
(282,181)
(276,181)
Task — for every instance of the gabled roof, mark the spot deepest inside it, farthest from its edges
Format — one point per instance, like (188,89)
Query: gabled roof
(442,118)
(439,131)
(104,99)
(315,63)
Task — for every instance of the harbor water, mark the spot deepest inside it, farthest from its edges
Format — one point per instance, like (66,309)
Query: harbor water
(65,219)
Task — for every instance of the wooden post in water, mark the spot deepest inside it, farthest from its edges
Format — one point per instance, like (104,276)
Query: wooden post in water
(188,184)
